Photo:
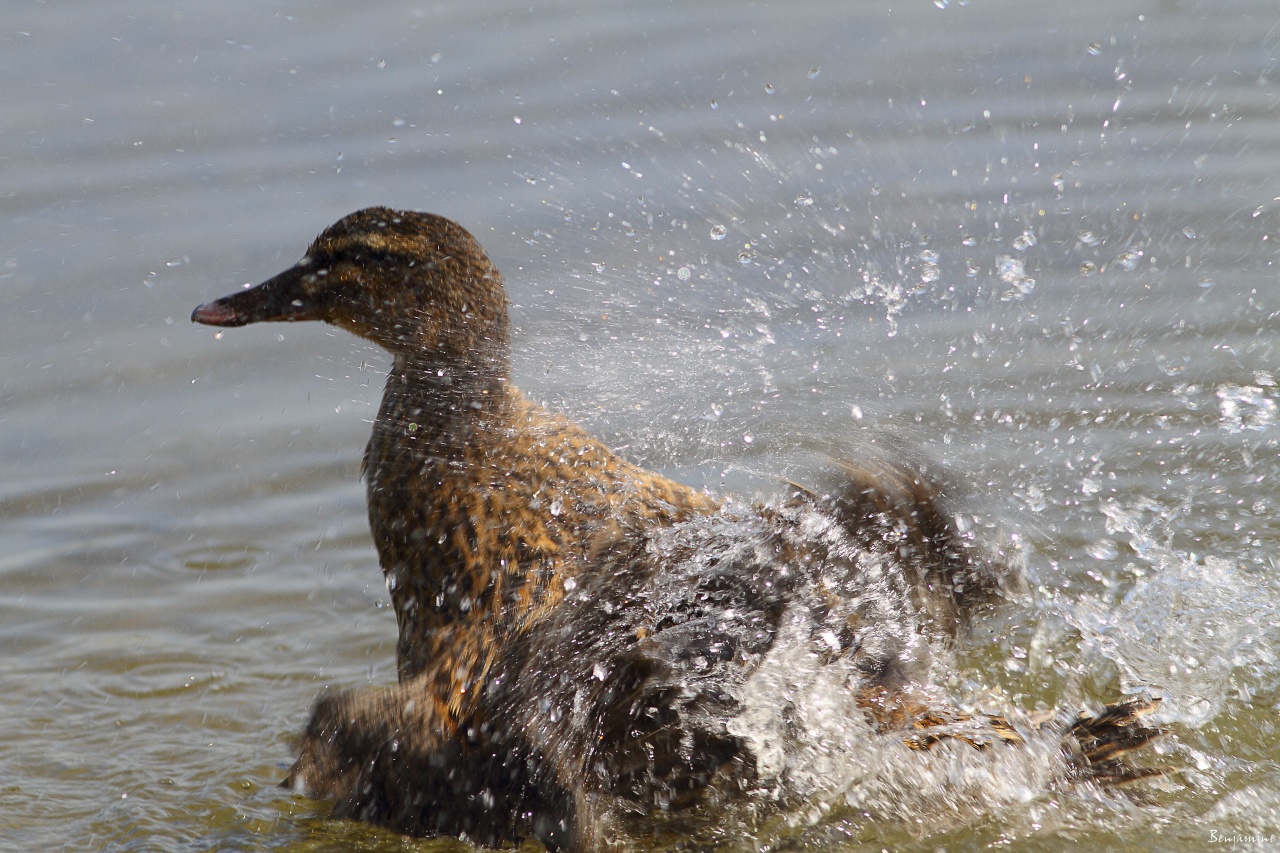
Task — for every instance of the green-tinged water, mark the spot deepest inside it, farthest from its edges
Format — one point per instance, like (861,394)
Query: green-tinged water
(1037,241)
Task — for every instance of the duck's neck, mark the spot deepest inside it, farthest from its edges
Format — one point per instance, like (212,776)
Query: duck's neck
(434,409)
(426,467)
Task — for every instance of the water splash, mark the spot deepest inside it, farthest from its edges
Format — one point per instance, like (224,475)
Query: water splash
(815,748)
(1245,407)
(1192,630)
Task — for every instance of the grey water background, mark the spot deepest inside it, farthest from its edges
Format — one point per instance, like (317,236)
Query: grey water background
(1035,241)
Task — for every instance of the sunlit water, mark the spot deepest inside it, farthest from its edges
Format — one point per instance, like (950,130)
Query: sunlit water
(1036,241)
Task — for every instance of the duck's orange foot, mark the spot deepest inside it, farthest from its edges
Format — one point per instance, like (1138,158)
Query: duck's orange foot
(1099,742)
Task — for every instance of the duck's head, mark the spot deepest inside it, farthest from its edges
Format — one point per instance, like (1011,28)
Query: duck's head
(415,283)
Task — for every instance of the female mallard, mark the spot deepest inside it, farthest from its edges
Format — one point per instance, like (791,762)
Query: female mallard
(581,639)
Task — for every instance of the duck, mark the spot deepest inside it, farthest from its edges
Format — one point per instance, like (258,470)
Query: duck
(583,643)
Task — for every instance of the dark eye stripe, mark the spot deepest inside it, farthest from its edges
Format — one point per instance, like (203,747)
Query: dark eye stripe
(378,242)
(358,252)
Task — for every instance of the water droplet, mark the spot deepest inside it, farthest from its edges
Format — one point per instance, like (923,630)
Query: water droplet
(1103,549)
(718,232)
(747,438)
(814,71)
(1035,499)
(1012,271)
(1129,261)
(1173,366)
(683,273)
(1094,49)
(768,89)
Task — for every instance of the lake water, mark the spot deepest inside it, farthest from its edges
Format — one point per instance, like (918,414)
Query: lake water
(1038,241)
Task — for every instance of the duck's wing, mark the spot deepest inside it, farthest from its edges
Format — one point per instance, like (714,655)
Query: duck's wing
(638,674)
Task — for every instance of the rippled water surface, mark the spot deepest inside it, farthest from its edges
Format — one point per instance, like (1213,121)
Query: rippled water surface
(1035,240)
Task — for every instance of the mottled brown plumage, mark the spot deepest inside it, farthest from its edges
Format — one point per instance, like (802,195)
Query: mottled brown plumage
(578,634)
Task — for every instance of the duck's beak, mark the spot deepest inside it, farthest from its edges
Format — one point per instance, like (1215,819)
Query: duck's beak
(278,299)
